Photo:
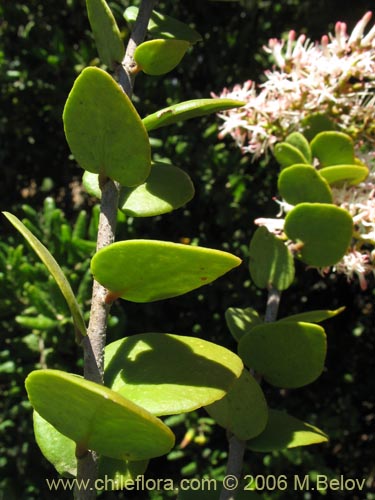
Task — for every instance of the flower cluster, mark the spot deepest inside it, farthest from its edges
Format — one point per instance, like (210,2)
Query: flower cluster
(335,76)
(359,201)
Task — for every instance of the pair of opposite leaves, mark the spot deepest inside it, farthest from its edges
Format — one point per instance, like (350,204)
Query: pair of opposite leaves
(132,176)
(324,230)
(107,136)
(154,57)
(138,375)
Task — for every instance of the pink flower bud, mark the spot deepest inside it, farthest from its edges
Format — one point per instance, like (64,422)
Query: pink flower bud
(359,28)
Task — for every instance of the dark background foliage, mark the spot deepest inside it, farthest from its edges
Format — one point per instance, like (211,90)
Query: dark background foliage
(43,46)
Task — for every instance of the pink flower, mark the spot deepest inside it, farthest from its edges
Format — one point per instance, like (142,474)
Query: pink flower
(335,76)
(355,263)
(274,226)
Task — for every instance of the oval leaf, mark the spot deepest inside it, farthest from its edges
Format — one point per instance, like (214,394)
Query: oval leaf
(284,431)
(333,148)
(106,33)
(299,141)
(105,134)
(352,174)
(315,123)
(54,269)
(60,451)
(170,374)
(163,26)
(241,321)
(300,183)
(286,354)
(270,262)
(314,316)
(325,232)
(148,270)
(187,110)
(90,182)
(243,410)
(157,57)
(166,188)
(97,418)
(287,154)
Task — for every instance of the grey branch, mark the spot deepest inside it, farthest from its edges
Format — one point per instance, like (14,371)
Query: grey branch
(236,446)
(93,344)
(273,302)
(127,70)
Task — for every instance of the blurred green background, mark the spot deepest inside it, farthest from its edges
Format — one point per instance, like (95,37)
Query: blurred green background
(43,47)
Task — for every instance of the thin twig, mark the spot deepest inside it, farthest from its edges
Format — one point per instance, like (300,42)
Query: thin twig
(234,467)
(128,69)
(93,344)
(236,446)
(273,302)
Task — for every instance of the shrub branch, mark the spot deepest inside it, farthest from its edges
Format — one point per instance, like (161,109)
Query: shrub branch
(93,344)
(236,446)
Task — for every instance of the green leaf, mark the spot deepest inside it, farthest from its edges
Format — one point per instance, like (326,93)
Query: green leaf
(90,182)
(163,26)
(284,431)
(270,262)
(121,472)
(325,231)
(39,322)
(352,174)
(80,225)
(106,32)
(96,417)
(333,148)
(54,269)
(241,321)
(166,188)
(170,374)
(243,410)
(148,270)
(299,141)
(157,57)
(60,451)
(300,183)
(187,110)
(316,123)
(314,316)
(286,154)
(287,354)
(106,135)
